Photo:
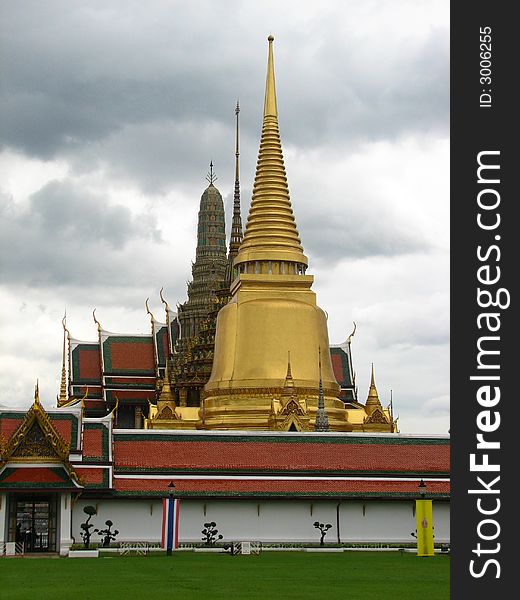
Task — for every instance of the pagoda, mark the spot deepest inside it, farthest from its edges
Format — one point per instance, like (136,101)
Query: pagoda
(247,349)
(193,354)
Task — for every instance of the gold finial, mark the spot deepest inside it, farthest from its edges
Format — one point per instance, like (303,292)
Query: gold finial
(352,334)
(271,233)
(36,393)
(270,108)
(62,398)
(96,321)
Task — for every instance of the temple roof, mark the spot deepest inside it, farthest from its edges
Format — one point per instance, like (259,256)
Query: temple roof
(240,452)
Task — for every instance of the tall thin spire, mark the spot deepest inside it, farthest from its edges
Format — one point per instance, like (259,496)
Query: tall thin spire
(236,225)
(62,398)
(237,153)
(322,419)
(271,233)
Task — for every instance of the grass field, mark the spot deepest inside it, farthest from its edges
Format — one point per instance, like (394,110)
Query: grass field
(187,575)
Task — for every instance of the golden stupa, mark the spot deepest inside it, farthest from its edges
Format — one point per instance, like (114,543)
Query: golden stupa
(272,312)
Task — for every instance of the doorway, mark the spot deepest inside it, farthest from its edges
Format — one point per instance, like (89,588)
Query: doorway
(32,520)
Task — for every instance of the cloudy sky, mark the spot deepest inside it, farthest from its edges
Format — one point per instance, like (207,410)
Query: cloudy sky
(110,112)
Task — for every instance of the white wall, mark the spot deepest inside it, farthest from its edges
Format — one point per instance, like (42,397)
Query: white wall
(135,519)
(266,520)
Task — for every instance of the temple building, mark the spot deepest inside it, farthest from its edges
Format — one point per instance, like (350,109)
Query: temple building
(267,486)
(222,357)
(235,402)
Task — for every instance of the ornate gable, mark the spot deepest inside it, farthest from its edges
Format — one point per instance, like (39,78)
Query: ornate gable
(35,444)
(37,440)
(377,416)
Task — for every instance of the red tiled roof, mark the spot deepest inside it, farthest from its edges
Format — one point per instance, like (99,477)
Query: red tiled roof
(89,363)
(63,427)
(92,443)
(137,394)
(194,486)
(8,425)
(34,475)
(91,476)
(337,367)
(128,355)
(282,456)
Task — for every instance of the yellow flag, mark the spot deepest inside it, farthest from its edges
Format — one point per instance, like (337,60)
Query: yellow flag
(424,523)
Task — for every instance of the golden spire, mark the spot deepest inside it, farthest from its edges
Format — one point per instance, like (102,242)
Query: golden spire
(271,233)
(373,397)
(62,399)
(288,388)
(166,394)
(270,109)
(36,393)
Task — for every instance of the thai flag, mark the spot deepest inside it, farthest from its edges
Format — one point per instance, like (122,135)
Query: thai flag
(170,523)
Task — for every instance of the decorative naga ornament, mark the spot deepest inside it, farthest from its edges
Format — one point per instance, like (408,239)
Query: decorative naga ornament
(272,309)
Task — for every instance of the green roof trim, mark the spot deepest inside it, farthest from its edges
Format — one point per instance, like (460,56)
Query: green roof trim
(291,439)
(212,494)
(120,470)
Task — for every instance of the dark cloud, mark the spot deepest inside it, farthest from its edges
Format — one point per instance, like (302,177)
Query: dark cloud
(149,93)
(67,235)
(330,238)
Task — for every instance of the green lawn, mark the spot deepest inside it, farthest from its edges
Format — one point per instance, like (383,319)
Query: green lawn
(187,575)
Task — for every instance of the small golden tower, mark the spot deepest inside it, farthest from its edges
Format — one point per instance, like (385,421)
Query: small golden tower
(272,309)
(376,417)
